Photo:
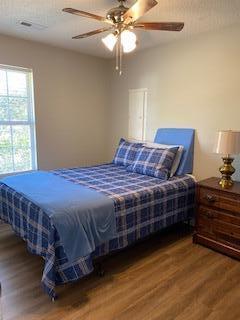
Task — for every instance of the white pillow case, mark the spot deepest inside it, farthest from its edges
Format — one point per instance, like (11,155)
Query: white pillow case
(177,159)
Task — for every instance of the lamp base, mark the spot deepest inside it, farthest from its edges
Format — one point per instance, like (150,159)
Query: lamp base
(225,184)
(227,170)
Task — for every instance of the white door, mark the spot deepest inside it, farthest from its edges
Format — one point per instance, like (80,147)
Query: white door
(137,114)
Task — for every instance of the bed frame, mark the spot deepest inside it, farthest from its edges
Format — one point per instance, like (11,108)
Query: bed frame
(176,136)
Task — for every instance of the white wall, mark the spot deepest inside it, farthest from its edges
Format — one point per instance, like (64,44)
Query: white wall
(193,83)
(71,101)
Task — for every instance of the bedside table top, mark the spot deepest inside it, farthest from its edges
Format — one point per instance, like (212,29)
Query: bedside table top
(212,183)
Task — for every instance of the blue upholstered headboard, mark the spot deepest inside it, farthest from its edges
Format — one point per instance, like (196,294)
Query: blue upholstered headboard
(184,137)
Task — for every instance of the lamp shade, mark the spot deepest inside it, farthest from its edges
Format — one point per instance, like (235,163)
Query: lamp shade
(128,41)
(227,142)
(110,41)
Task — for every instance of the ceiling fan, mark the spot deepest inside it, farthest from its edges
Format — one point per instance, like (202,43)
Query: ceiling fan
(122,20)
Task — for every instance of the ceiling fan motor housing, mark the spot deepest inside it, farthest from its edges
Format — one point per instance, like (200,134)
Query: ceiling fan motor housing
(116,14)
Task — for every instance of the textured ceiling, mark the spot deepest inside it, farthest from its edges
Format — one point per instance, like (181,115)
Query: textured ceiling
(199,16)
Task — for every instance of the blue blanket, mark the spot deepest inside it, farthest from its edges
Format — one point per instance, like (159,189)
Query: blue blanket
(84,218)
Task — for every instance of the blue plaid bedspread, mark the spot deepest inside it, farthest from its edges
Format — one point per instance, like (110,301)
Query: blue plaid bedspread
(143,205)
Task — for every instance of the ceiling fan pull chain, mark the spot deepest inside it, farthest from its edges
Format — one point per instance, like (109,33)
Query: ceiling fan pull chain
(117,54)
(120,57)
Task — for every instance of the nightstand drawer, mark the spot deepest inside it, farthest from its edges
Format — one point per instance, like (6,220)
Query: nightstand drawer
(215,214)
(218,199)
(204,226)
(210,226)
(227,233)
(226,228)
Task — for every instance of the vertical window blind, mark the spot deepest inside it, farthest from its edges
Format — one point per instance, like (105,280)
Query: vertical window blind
(17,121)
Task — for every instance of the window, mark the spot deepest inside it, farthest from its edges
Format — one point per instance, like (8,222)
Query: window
(17,126)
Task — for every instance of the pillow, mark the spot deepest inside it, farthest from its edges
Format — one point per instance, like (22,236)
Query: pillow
(177,159)
(126,152)
(154,162)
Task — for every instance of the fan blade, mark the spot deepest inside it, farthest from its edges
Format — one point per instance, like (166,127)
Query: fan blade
(138,10)
(91,33)
(86,14)
(167,26)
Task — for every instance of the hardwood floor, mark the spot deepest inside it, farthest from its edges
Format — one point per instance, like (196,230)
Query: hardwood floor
(163,278)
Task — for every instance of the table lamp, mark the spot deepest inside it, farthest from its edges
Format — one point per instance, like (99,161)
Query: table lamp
(227,143)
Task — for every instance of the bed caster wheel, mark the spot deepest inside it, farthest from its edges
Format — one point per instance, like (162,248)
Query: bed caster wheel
(100,271)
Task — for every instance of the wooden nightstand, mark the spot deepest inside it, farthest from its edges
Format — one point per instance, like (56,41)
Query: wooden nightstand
(218,217)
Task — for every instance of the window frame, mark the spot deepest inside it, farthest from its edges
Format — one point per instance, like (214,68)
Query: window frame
(31,116)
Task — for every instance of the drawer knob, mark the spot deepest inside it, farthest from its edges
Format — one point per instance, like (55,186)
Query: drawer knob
(209,214)
(210,198)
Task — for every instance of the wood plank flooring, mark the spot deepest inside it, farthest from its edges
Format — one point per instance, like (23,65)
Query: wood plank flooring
(163,278)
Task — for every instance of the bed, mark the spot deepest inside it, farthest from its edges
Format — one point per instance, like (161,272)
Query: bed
(142,205)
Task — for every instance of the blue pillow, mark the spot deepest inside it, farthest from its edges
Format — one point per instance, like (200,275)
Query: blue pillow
(154,162)
(126,152)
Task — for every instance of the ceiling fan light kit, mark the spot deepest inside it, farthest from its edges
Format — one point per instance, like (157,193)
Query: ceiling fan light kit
(122,21)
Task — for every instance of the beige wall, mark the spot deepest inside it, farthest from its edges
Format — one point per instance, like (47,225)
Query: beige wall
(71,104)
(82,105)
(193,83)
